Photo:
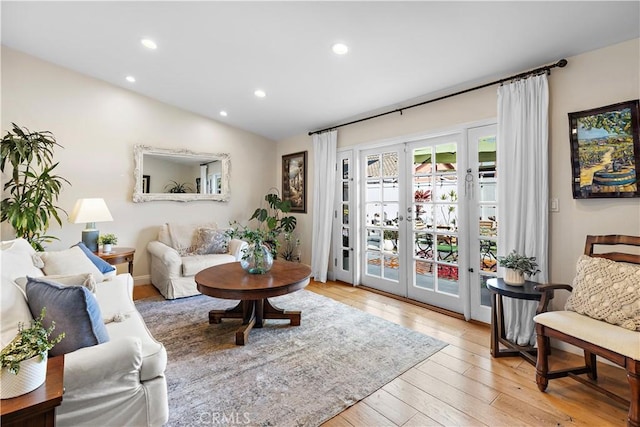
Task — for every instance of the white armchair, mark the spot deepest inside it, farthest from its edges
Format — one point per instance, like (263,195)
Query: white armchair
(175,261)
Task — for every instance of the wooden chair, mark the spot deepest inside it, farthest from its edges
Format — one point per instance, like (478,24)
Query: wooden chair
(573,328)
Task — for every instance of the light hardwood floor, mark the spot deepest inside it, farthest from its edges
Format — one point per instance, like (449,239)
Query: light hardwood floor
(462,385)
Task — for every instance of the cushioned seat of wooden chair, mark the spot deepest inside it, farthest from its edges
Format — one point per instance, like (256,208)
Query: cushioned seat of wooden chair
(612,337)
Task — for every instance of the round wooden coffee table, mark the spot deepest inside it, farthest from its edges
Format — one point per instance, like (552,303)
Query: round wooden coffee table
(230,281)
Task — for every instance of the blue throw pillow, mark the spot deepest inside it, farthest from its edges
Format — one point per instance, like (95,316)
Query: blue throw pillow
(74,309)
(101,264)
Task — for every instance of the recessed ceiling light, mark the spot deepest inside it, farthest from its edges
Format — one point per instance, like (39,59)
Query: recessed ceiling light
(223,113)
(340,48)
(131,79)
(149,44)
(260,93)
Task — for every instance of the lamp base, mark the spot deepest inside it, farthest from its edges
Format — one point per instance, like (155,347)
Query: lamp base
(90,239)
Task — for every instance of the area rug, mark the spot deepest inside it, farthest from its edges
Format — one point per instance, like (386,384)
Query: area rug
(285,375)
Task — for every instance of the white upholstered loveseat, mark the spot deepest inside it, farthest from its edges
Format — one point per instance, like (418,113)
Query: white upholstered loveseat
(182,250)
(119,382)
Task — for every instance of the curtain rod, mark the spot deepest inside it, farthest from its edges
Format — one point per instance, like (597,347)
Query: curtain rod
(546,69)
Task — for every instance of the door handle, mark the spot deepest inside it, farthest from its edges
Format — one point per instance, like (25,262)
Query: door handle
(409,219)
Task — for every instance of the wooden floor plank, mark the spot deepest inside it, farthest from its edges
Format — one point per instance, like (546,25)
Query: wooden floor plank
(421,420)
(390,407)
(459,381)
(429,405)
(362,414)
(459,399)
(338,421)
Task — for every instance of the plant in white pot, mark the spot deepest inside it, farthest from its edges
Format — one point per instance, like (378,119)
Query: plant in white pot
(107,241)
(517,266)
(24,360)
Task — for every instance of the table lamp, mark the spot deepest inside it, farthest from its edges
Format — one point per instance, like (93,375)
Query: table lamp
(90,211)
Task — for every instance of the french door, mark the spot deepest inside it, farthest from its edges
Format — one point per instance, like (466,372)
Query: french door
(383,218)
(343,219)
(427,215)
(436,246)
(411,221)
(483,211)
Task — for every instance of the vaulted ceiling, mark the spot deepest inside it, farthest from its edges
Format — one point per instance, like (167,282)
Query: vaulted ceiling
(212,56)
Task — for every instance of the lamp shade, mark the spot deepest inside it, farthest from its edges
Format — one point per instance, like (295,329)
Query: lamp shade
(90,210)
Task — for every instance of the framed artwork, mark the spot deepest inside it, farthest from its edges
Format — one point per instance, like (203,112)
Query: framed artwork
(605,151)
(294,180)
(146,180)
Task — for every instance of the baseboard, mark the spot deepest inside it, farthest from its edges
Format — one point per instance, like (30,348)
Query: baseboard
(142,280)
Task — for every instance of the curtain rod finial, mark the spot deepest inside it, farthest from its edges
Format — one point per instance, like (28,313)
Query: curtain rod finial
(562,63)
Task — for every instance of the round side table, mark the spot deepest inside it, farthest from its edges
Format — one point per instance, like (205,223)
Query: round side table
(498,289)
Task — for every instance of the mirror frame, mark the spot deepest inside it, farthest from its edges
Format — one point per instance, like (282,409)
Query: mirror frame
(138,196)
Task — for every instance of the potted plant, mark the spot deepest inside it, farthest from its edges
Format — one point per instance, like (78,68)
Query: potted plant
(24,360)
(271,223)
(32,188)
(107,241)
(256,257)
(175,187)
(291,247)
(390,239)
(516,267)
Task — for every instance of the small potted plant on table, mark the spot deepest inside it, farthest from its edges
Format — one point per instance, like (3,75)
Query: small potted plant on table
(516,267)
(24,360)
(107,241)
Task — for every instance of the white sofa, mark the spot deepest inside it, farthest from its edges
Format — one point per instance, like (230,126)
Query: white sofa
(175,262)
(117,383)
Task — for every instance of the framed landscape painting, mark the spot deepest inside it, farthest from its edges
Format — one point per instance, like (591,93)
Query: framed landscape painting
(605,151)
(294,180)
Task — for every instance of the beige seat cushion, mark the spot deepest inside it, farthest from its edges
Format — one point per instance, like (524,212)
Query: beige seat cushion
(612,337)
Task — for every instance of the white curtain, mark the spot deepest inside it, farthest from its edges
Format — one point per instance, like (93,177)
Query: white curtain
(324,175)
(523,189)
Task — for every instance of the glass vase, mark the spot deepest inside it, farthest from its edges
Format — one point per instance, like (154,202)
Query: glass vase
(257,259)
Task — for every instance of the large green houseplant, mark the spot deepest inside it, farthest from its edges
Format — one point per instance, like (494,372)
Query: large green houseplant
(32,190)
(272,221)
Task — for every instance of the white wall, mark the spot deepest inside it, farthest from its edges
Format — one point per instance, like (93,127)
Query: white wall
(98,124)
(590,80)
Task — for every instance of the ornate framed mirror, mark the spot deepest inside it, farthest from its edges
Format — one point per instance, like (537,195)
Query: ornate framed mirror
(180,175)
